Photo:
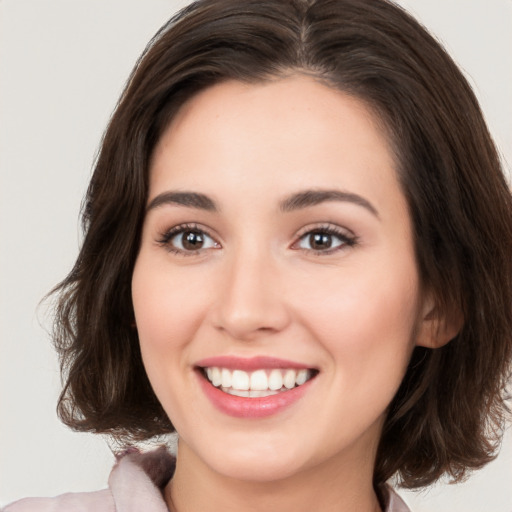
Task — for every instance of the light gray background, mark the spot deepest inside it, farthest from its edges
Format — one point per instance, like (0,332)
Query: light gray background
(63,65)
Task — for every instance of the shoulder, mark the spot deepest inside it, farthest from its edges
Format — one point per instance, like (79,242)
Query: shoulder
(392,501)
(99,501)
(135,484)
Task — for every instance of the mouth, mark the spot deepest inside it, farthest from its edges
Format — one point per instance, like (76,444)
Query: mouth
(259,383)
(254,387)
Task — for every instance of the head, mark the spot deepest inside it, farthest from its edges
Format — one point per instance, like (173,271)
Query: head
(457,203)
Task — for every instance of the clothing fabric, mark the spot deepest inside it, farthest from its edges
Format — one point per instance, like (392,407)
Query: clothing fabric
(135,484)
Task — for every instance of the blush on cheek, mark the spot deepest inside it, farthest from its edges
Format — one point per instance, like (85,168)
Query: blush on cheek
(373,324)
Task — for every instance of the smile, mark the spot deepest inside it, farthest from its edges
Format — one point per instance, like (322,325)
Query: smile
(254,387)
(258,383)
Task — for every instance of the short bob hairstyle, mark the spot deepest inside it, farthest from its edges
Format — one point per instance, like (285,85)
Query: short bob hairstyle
(449,413)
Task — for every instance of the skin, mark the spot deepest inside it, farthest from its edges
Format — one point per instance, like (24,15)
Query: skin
(257,287)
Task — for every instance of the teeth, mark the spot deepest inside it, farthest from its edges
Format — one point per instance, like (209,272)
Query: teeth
(216,377)
(237,392)
(289,379)
(258,383)
(250,393)
(302,376)
(275,380)
(226,378)
(240,380)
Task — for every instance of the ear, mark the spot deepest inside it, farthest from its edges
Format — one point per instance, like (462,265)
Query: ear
(437,327)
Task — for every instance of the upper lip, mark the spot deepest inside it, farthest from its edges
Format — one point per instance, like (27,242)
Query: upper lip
(249,363)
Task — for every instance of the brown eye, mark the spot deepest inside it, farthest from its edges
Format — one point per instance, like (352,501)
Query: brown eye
(324,240)
(192,240)
(320,241)
(187,240)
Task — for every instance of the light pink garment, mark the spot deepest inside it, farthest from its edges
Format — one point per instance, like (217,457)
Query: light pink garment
(135,484)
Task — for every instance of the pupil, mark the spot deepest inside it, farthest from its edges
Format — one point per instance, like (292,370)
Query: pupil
(321,241)
(192,240)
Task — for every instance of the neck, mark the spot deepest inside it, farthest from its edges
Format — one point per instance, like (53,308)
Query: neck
(338,484)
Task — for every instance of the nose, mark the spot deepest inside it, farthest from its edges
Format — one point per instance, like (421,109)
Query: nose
(251,299)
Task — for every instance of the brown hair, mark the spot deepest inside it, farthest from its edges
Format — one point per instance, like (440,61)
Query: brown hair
(448,414)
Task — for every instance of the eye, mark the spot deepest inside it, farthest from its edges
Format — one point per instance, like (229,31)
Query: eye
(187,240)
(325,240)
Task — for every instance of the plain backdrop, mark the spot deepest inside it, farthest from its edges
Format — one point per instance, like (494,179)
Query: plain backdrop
(63,64)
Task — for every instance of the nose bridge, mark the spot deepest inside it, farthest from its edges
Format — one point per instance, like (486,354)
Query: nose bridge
(250,301)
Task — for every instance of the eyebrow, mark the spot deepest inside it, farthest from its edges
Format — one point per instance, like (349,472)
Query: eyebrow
(188,199)
(297,201)
(307,198)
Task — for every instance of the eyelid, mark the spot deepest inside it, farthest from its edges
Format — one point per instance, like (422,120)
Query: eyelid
(165,238)
(348,238)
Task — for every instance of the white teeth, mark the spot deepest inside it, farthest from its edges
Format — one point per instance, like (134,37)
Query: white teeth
(302,376)
(226,378)
(259,394)
(237,392)
(240,380)
(250,393)
(258,383)
(216,377)
(275,381)
(289,379)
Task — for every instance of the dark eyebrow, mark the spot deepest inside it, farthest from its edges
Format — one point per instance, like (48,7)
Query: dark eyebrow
(308,198)
(188,199)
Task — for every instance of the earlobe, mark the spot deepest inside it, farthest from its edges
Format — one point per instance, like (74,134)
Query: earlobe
(437,327)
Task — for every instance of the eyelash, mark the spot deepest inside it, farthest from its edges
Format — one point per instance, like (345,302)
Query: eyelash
(347,240)
(166,238)
(327,229)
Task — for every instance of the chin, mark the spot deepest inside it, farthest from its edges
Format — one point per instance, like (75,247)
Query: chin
(253,460)
(257,469)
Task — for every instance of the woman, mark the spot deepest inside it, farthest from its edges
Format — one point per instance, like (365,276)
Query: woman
(298,240)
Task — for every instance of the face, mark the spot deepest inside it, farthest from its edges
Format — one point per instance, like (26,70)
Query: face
(276,292)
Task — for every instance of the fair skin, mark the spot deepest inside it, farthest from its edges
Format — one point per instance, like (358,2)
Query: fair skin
(254,267)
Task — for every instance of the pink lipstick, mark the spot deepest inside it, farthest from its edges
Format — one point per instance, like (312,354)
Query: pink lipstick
(253,387)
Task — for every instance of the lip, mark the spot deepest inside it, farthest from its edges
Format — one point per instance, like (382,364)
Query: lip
(250,363)
(245,407)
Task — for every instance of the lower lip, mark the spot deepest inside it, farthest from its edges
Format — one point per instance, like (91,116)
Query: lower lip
(257,407)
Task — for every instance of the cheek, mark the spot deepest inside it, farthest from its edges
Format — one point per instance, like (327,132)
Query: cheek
(366,326)
(166,309)
(166,303)
(366,318)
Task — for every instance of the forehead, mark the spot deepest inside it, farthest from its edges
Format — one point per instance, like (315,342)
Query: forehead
(293,132)
(306,106)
